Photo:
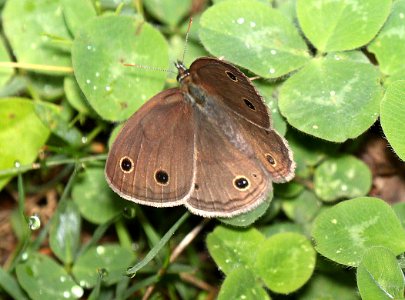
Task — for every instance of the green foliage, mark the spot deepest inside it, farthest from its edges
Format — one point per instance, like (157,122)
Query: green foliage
(98,62)
(389,44)
(302,209)
(111,259)
(346,231)
(75,96)
(233,289)
(328,71)
(43,278)
(168,11)
(342,177)
(29,25)
(5,74)
(284,262)
(22,131)
(54,118)
(379,275)
(345,25)
(330,287)
(64,235)
(254,36)
(393,116)
(91,185)
(332,91)
(75,12)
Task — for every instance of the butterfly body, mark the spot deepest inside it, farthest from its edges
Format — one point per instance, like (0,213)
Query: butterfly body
(207,145)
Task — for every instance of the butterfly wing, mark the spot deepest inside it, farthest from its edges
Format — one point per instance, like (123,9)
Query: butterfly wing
(152,159)
(271,149)
(229,179)
(230,87)
(226,89)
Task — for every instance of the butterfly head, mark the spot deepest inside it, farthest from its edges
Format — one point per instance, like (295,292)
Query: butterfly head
(183,72)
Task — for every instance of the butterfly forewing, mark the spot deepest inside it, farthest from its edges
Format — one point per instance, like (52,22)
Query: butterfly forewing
(152,159)
(231,87)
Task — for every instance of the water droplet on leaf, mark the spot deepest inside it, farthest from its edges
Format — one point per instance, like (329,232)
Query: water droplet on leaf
(34,222)
(17,164)
(77,291)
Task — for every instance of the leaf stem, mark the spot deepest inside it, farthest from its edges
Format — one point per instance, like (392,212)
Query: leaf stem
(155,250)
(37,67)
(50,163)
(176,252)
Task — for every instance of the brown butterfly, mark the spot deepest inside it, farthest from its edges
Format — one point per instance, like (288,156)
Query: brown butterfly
(208,145)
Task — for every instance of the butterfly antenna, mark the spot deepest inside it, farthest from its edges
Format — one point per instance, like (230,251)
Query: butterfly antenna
(186,41)
(150,68)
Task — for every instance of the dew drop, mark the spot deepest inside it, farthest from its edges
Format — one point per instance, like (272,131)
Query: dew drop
(62,279)
(84,139)
(83,283)
(24,256)
(89,47)
(401,15)
(100,250)
(333,221)
(241,21)
(252,24)
(66,294)
(94,87)
(272,71)
(77,291)
(315,126)
(88,81)
(272,51)
(343,187)
(143,97)
(17,164)
(227,260)
(332,93)
(108,88)
(34,222)
(97,74)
